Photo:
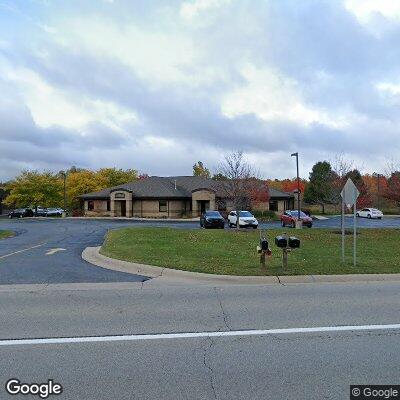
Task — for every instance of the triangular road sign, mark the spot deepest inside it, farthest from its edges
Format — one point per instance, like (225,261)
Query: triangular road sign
(350,193)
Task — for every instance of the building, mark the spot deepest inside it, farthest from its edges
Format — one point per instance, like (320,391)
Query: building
(169,197)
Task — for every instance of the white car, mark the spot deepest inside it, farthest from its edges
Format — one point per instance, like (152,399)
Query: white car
(370,213)
(246,219)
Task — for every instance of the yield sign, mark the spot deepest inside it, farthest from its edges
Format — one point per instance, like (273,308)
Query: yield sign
(350,193)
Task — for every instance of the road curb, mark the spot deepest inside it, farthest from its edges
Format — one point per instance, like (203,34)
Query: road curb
(93,256)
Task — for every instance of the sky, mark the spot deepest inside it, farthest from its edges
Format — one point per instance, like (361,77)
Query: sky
(157,85)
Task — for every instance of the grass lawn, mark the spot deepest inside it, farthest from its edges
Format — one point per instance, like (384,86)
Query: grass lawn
(234,253)
(6,234)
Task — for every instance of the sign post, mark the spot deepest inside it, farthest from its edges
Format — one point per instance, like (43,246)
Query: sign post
(350,195)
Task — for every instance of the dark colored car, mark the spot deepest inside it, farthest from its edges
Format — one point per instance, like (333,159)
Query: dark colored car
(289,218)
(41,212)
(212,219)
(21,212)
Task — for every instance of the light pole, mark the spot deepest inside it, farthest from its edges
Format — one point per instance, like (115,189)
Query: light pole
(64,175)
(298,183)
(378,177)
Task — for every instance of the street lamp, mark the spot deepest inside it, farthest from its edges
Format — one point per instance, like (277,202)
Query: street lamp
(64,175)
(298,183)
(378,177)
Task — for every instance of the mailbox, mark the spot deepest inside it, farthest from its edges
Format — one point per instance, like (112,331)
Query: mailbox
(281,241)
(264,244)
(294,242)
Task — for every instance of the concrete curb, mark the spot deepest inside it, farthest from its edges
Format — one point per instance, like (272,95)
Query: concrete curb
(93,256)
(131,219)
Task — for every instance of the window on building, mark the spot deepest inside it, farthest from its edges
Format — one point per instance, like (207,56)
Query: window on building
(90,205)
(162,206)
(108,205)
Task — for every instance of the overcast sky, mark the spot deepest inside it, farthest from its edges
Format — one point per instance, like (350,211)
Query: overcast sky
(156,85)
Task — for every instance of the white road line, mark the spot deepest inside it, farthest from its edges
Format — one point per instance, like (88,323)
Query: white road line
(191,335)
(21,251)
(53,251)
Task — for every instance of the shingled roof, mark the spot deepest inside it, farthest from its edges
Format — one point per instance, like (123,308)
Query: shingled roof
(169,187)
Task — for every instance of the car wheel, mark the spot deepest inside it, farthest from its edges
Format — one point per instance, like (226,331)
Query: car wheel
(255,227)
(21,216)
(293,224)
(369,216)
(358,215)
(10,216)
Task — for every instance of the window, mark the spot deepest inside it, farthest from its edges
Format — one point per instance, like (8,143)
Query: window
(108,205)
(162,206)
(119,195)
(90,205)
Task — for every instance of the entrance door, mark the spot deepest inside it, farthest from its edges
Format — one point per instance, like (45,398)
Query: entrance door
(204,205)
(123,208)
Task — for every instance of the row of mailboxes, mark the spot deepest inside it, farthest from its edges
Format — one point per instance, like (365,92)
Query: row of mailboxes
(281,241)
(284,242)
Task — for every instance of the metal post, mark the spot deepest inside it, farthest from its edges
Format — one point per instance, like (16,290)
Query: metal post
(355,237)
(343,233)
(65,191)
(379,187)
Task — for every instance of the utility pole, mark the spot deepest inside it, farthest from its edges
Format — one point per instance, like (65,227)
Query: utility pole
(378,177)
(298,183)
(64,174)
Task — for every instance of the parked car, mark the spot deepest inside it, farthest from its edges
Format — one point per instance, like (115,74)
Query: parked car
(289,218)
(246,219)
(41,212)
(54,212)
(21,213)
(370,213)
(212,219)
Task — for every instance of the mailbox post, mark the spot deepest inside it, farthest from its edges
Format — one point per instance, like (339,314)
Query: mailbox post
(287,245)
(264,251)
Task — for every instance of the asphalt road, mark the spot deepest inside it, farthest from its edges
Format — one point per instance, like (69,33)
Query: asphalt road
(318,365)
(49,250)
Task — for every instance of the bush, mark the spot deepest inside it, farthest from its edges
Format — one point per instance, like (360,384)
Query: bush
(266,215)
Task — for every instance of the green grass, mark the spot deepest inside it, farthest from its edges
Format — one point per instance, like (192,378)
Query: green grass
(6,234)
(234,253)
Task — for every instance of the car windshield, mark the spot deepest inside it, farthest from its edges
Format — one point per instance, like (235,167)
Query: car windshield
(295,214)
(245,214)
(213,214)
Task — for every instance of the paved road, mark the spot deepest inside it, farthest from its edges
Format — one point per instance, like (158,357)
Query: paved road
(23,259)
(49,251)
(281,366)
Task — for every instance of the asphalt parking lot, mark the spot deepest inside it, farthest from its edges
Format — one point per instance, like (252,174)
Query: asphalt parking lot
(49,250)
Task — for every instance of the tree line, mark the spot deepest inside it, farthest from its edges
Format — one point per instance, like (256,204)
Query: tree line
(46,189)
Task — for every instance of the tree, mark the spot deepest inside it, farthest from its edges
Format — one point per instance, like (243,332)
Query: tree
(392,191)
(219,177)
(241,185)
(320,187)
(33,189)
(199,169)
(109,177)
(364,198)
(79,183)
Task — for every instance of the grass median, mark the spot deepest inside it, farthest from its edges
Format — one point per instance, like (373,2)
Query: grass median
(6,234)
(234,253)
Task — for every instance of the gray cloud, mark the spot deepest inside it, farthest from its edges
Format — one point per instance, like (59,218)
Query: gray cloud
(335,62)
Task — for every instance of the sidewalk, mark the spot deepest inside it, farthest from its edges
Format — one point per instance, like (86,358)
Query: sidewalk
(168,275)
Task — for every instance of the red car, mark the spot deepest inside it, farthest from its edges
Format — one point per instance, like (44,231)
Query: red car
(289,218)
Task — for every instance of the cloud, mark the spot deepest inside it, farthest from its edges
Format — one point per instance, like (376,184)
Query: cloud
(157,87)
